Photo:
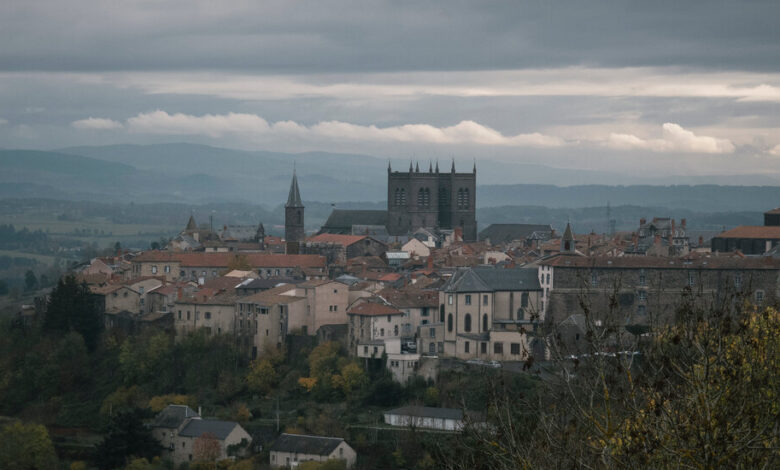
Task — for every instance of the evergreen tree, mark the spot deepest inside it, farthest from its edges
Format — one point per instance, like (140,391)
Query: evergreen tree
(126,437)
(71,307)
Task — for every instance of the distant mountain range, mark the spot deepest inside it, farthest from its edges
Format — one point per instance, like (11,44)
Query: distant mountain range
(197,174)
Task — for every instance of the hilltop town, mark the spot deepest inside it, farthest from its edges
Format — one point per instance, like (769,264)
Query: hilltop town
(412,297)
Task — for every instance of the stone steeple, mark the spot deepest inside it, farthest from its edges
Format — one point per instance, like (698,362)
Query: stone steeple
(191,225)
(294,233)
(567,241)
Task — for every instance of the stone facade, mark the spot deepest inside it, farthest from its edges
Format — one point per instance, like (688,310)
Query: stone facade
(431,199)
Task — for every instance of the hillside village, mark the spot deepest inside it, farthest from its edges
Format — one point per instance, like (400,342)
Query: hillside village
(413,290)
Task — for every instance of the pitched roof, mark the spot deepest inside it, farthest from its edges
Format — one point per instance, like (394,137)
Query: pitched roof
(221,260)
(172,416)
(491,279)
(505,233)
(198,427)
(270,297)
(191,225)
(427,412)
(302,444)
(294,198)
(336,239)
(410,297)
(567,234)
(752,231)
(341,221)
(373,309)
(725,261)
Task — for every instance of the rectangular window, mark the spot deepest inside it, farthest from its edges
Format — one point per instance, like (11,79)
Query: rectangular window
(515,348)
(167,269)
(642,295)
(759,297)
(449,299)
(642,278)
(691,279)
(154,269)
(468,299)
(484,348)
(738,281)
(433,332)
(548,279)
(466,346)
(441,347)
(498,348)
(188,314)
(484,300)
(179,314)
(594,279)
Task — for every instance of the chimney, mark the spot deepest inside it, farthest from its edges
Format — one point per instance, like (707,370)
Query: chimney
(642,221)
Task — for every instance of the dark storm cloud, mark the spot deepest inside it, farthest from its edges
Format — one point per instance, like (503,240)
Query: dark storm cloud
(321,36)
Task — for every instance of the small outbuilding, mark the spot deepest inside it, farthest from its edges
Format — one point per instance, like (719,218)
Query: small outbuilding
(290,449)
(442,419)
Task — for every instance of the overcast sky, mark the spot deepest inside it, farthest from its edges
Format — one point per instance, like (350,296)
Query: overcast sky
(654,87)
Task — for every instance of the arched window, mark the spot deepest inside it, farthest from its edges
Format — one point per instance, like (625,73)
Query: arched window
(521,314)
(441,313)
(444,199)
(400,197)
(524,299)
(467,323)
(463,200)
(449,322)
(423,197)
(484,323)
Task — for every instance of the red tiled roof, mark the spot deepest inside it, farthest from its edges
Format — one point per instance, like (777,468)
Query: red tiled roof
(752,231)
(390,277)
(373,309)
(221,260)
(336,239)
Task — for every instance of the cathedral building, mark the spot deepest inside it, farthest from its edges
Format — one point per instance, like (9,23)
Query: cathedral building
(432,199)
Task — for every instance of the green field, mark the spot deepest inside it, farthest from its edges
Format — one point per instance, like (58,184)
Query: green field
(44,260)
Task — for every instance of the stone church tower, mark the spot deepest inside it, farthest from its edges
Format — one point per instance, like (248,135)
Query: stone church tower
(432,199)
(294,234)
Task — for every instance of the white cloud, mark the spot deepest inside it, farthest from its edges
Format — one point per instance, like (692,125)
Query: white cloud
(568,81)
(96,123)
(254,126)
(675,138)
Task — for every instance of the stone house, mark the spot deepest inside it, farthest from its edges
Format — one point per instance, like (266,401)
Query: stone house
(326,304)
(290,449)
(371,320)
(339,248)
(420,307)
(216,313)
(265,319)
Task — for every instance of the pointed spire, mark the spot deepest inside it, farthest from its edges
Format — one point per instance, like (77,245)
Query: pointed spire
(475,165)
(437,165)
(294,198)
(191,225)
(389,169)
(430,166)
(453,164)
(411,168)
(417,167)
(567,234)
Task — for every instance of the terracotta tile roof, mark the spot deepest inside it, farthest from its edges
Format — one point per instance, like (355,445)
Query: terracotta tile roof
(344,240)
(751,231)
(221,260)
(410,298)
(373,309)
(776,210)
(390,277)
